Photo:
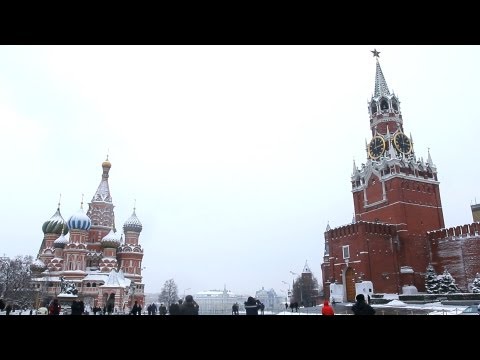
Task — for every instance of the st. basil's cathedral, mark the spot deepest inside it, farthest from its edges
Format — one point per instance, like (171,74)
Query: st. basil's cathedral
(89,253)
(398,228)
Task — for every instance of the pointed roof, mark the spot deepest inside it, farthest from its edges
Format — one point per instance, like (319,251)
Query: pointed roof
(306,269)
(430,161)
(355,170)
(103,190)
(116,279)
(381,87)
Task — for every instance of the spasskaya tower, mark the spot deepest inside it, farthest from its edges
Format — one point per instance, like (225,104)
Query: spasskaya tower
(396,201)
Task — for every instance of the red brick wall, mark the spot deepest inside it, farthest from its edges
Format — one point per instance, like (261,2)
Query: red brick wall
(459,254)
(372,254)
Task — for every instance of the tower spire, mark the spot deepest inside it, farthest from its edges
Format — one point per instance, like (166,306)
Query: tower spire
(103,191)
(355,170)
(381,87)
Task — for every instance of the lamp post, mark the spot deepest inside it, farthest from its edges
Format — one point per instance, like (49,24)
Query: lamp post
(289,294)
(284,306)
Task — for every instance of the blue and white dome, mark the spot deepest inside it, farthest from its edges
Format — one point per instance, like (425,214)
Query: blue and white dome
(79,221)
(111,240)
(60,242)
(133,224)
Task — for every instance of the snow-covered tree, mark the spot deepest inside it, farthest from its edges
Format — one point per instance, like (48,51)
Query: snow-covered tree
(447,283)
(169,293)
(305,290)
(476,284)
(15,281)
(431,280)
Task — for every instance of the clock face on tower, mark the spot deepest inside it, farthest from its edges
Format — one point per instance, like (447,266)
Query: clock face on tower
(376,147)
(402,143)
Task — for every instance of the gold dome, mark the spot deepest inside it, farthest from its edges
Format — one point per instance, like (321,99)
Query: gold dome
(106,164)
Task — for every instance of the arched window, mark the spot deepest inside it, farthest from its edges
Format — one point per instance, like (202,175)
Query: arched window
(94,285)
(88,284)
(394,105)
(374,108)
(384,104)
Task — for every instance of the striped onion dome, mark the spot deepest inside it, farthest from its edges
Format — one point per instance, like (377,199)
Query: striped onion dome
(38,266)
(60,242)
(55,225)
(133,224)
(111,240)
(79,221)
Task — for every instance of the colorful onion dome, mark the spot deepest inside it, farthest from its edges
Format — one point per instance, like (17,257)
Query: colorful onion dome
(55,225)
(79,221)
(106,163)
(111,240)
(132,224)
(60,242)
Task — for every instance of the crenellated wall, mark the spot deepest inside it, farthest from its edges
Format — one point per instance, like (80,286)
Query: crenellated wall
(457,249)
(372,255)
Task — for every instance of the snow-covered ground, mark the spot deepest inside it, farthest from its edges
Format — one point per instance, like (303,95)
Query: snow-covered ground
(434,308)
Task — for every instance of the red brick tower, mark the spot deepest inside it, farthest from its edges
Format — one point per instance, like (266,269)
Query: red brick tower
(100,211)
(130,256)
(396,200)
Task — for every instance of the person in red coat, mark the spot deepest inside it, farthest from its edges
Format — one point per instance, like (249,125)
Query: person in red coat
(327,309)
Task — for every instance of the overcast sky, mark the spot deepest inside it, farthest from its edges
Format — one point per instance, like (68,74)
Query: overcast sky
(237,156)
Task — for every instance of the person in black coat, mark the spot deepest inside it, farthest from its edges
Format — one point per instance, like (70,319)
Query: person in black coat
(251,306)
(110,303)
(136,309)
(174,309)
(361,307)
(189,306)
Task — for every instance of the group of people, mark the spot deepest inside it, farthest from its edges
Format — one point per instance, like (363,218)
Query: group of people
(361,307)
(187,307)
(190,307)
(252,306)
(293,305)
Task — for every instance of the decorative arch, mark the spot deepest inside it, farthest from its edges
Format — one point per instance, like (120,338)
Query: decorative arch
(383,104)
(394,104)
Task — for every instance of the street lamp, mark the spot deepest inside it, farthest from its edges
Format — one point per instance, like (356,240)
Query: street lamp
(288,293)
